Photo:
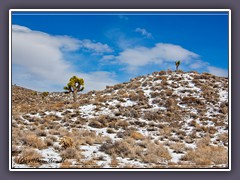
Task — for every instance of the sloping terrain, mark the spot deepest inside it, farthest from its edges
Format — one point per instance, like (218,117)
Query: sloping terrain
(163,120)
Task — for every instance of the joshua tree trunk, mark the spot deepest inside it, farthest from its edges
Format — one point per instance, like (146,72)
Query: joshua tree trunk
(75,95)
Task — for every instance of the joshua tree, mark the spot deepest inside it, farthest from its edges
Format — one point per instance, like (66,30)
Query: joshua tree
(74,86)
(177,63)
(44,94)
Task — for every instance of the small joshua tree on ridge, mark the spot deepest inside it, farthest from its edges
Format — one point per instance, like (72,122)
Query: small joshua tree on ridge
(177,63)
(74,86)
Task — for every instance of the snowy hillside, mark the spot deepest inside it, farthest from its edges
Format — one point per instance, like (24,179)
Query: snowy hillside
(163,120)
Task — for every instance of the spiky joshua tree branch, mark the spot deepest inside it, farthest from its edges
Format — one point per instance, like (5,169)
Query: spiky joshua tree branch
(177,63)
(74,86)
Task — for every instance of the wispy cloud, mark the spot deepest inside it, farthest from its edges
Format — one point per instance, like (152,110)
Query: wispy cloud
(38,60)
(95,47)
(120,39)
(218,71)
(144,32)
(159,54)
(198,64)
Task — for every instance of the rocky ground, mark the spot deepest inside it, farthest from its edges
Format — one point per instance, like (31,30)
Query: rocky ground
(163,120)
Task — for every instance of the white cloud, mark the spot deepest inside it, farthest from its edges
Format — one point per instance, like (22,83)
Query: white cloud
(198,64)
(38,61)
(218,71)
(96,47)
(144,32)
(98,80)
(159,54)
(121,40)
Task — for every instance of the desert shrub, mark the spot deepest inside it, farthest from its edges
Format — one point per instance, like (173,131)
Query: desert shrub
(17,135)
(170,102)
(136,135)
(66,142)
(155,153)
(191,100)
(162,73)
(223,138)
(34,93)
(123,148)
(16,150)
(44,94)
(205,141)
(178,147)
(110,131)
(207,155)
(224,110)
(95,124)
(134,85)
(48,141)
(66,164)
(122,123)
(166,131)
(70,153)
(169,92)
(33,141)
(118,86)
(151,116)
(154,94)
(52,117)
(189,140)
(114,162)
(133,113)
(39,132)
(29,157)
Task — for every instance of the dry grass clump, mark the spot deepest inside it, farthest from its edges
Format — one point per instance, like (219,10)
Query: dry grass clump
(162,73)
(178,147)
(207,155)
(91,163)
(17,134)
(111,131)
(205,141)
(114,162)
(40,132)
(155,153)
(49,140)
(145,151)
(152,115)
(139,96)
(66,142)
(70,153)
(16,150)
(191,100)
(52,117)
(166,131)
(136,135)
(33,141)
(121,124)
(134,85)
(155,94)
(66,164)
(95,124)
(223,138)
(30,157)
(169,92)
(86,137)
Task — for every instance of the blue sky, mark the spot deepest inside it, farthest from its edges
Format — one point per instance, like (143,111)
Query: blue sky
(110,48)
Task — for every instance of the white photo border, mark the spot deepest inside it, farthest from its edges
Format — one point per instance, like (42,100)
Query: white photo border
(124,11)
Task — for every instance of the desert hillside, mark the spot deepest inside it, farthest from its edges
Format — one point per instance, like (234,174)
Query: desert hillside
(163,120)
